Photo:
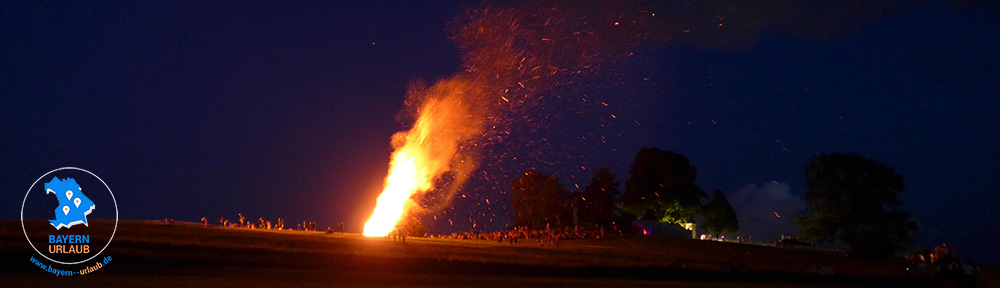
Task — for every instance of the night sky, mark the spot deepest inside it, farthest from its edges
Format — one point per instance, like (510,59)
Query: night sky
(199,109)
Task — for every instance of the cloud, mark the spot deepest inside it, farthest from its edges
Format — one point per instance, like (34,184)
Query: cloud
(756,207)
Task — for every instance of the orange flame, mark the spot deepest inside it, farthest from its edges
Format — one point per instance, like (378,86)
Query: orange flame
(507,52)
(445,122)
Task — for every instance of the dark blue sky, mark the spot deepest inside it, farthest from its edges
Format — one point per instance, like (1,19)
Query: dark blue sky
(191,109)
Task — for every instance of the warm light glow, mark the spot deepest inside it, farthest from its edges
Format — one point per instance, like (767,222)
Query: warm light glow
(399,186)
(510,61)
(422,154)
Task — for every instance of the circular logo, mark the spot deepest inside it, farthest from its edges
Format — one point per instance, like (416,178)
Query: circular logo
(69,211)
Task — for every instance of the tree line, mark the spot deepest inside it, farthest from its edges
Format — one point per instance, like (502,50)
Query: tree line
(852,200)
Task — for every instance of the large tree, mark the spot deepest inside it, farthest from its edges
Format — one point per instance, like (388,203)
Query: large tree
(853,200)
(597,202)
(719,217)
(661,187)
(538,200)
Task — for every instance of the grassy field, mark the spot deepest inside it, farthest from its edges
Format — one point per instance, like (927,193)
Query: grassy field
(149,253)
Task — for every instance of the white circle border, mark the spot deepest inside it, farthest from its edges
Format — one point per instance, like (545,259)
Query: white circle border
(26,201)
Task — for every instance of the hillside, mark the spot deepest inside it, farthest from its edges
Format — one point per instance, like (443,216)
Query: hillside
(188,254)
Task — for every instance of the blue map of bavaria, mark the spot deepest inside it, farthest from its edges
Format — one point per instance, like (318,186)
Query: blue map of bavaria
(73,205)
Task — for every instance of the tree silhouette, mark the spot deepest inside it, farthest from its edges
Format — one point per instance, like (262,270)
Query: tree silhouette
(719,217)
(662,187)
(597,202)
(853,199)
(538,200)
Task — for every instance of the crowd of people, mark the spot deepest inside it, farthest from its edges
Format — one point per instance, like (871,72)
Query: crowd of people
(544,236)
(943,265)
(260,223)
